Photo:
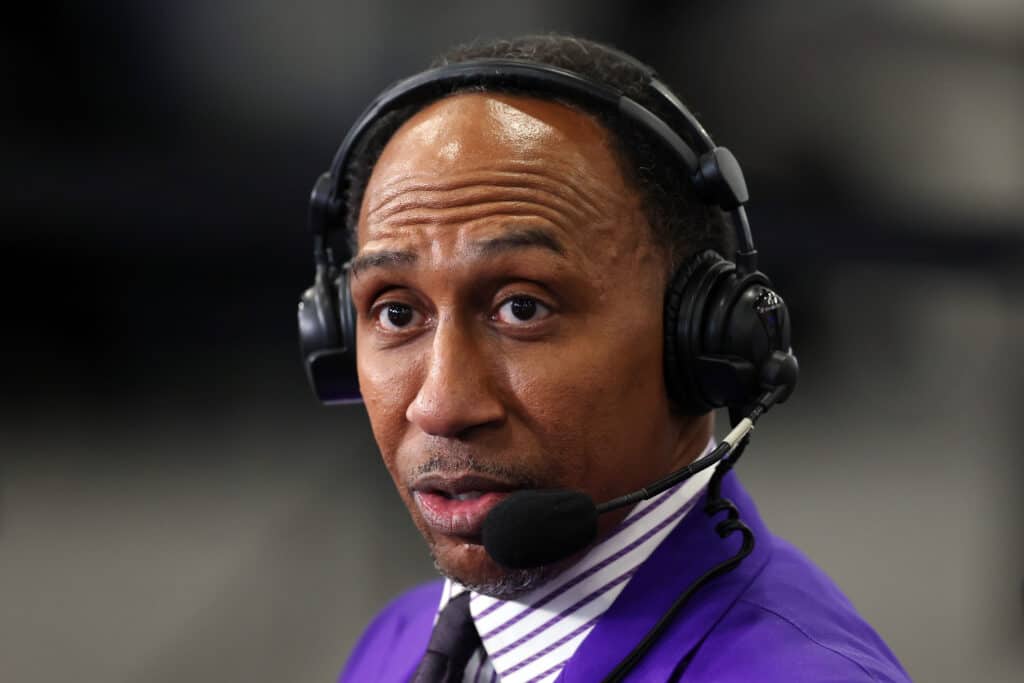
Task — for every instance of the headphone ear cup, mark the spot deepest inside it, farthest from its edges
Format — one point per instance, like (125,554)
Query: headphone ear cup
(727,337)
(318,327)
(346,312)
(327,335)
(685,304)
(756,331)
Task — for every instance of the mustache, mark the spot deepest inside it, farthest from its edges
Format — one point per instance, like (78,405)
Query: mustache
(453,462)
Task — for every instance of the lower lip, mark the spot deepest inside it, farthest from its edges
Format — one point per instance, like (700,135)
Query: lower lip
(456,517)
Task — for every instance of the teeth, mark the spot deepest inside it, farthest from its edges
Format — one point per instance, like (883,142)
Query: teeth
(468,495)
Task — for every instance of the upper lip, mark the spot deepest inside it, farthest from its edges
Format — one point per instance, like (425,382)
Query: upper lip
(453,485)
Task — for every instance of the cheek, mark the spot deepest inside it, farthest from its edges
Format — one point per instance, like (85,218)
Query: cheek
(593,399)
(387,385)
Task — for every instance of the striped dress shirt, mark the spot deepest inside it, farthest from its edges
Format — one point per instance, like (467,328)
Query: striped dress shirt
(530,638)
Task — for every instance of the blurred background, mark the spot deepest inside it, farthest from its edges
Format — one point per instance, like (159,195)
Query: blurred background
(174,506)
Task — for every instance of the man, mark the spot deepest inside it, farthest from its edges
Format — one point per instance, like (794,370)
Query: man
(512,251)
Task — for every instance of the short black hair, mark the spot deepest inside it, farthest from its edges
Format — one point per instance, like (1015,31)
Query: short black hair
(681,223)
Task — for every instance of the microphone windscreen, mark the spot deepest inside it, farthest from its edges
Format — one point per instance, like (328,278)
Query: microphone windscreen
(534,528)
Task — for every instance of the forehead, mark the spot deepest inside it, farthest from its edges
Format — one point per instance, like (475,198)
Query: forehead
(492,143)
(468,127)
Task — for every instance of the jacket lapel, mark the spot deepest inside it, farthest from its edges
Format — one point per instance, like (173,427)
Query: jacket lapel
(688,552)
(395,646)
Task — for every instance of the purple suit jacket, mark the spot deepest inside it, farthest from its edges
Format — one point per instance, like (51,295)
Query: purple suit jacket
(776,617)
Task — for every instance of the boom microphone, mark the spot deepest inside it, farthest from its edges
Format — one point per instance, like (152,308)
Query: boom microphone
(538,527)
(533,528)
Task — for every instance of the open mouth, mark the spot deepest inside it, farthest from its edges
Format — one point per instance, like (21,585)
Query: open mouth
(459,505)
(468,495)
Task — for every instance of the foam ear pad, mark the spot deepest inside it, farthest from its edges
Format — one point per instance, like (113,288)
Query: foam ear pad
(327,333)
(318,320)
(686,300)
(346,311)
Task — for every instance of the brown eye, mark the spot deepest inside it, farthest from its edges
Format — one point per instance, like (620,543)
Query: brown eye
(518,310)
(396,316)
(524,309)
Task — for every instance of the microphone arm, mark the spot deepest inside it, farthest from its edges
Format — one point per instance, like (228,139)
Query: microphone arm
(538,527)
(731,524)
(729,443)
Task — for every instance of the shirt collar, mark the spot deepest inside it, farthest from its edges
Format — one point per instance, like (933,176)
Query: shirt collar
(533,635)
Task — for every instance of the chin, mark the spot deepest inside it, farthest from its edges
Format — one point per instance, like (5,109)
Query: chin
(470,565)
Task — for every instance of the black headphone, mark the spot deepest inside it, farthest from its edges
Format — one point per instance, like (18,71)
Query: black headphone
(727,333)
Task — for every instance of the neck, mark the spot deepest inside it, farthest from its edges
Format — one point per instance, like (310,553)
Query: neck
(692,435)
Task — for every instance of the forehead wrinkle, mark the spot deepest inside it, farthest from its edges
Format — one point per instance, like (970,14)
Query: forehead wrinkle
(519,211)
(473,194)
(408,245)
(577,171)
(555,178)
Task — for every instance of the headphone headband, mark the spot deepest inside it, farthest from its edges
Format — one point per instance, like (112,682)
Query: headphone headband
(726,332)
(713,171)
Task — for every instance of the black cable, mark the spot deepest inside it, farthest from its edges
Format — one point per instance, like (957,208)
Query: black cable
(715,504)
(721,452)
(717,454)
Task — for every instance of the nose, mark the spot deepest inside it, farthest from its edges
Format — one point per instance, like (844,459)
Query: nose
(459,392)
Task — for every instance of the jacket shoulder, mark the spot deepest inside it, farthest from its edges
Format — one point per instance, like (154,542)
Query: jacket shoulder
(393,643)
(794,624)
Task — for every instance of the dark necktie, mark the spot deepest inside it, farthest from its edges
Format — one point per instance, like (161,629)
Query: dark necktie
(451,644)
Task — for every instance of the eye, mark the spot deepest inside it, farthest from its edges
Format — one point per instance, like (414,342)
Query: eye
(519,310)
(394,316)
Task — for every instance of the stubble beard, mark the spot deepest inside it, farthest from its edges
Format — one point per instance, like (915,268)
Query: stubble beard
(512,583)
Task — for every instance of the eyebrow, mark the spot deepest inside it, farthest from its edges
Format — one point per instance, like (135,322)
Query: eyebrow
(381,259)
(519,239)
(522,238)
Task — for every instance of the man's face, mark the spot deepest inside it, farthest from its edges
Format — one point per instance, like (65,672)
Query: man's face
(509,300)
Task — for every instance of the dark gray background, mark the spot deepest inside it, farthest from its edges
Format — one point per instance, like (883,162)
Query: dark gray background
(175,507)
